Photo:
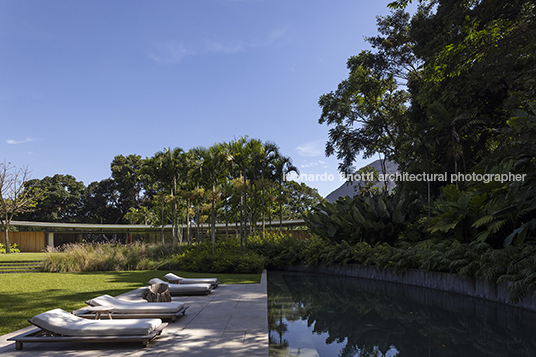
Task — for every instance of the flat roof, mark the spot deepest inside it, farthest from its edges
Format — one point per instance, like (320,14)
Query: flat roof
(89,227)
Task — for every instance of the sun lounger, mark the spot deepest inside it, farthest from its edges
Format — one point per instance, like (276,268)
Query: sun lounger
(60,326)
(184,289)
(174,279)
(132,309)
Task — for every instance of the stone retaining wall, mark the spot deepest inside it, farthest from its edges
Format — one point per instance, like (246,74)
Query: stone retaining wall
(474,287)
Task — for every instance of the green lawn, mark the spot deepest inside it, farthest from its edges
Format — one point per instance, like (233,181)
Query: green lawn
(23,295)
(21,257)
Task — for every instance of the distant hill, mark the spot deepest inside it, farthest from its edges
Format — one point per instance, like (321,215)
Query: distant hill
(347,188)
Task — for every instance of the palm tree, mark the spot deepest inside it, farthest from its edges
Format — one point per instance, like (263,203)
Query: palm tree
(210,176)
(281,167)
(226,168)
(195,175)
(263,172)
(239,162)
(166,170)
(158,172)
(177,163)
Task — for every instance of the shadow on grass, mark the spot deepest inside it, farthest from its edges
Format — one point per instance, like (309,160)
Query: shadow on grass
(18,308)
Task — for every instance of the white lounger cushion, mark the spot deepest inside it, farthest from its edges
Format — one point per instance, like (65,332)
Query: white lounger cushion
(157,281)
(183,288)
(133,307)
(63,323)
(173,277)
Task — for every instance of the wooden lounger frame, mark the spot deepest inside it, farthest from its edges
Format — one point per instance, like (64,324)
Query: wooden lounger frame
(43,335)
(180,293)
(172,316)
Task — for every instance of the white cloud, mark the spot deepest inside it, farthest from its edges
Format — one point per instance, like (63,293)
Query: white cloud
(318,163)
(14,142)
(216,47)
(315,148)
(173,51)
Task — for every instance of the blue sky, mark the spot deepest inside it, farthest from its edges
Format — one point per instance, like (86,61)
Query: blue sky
(84,81)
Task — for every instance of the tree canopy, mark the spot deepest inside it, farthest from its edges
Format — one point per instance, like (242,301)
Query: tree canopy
(437,88)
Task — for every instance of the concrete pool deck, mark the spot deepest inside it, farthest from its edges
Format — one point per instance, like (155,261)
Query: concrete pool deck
(230,321)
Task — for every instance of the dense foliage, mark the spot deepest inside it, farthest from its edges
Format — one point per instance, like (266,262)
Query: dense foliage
(437,89)
(373,219)
(227,258)
(448,90)
(14,248)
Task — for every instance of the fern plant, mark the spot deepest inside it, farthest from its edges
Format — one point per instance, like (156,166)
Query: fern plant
(515,217)
(455,212)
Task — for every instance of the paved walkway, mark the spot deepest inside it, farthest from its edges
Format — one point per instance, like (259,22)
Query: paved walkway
(231,321)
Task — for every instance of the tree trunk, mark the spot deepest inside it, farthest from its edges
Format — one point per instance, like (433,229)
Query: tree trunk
(226,222)
(175,228)
(263,223)
(242,220)
(280,209)
(270,214)
(198,215)
(6,235)
(163,218)
(254,214)
(188,220)
(213,218)
(245,217)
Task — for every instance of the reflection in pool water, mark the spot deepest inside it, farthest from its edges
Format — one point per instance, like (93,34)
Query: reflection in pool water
(324,315)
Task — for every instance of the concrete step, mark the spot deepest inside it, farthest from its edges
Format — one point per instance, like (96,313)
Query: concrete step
(20,266)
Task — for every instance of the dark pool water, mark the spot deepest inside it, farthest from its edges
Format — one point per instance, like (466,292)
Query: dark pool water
(323,315)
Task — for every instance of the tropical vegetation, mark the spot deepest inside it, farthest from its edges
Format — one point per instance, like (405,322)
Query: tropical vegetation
(448,90)
(236,183)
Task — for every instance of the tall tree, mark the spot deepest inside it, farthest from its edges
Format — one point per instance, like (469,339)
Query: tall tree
(213,173)
(62,198)
(437,89)
(367,111)
(239,161)
(129,181)
(165,171)
(100,203)
(282,166)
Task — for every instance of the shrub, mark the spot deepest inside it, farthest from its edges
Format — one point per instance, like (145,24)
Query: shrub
(227,258)
(101,256)
(14,248)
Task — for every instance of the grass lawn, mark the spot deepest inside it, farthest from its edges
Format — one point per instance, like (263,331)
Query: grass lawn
(23,295)
(21,257)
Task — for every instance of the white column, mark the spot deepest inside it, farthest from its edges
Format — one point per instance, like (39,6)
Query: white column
(50,239)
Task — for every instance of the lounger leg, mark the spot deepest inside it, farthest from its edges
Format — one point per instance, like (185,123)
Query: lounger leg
(18,345)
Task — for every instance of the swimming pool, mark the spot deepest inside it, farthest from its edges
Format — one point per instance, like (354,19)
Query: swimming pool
(325,315)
